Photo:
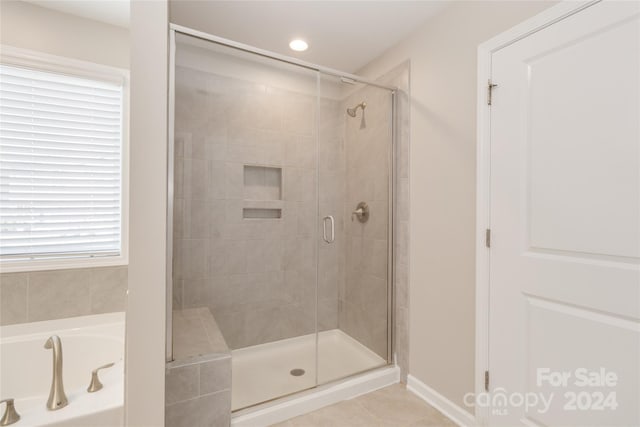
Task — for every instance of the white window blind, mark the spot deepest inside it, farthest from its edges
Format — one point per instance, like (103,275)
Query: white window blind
(60,165)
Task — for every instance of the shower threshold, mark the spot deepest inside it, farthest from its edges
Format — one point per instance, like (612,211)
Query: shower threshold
(285,408)
(268,371)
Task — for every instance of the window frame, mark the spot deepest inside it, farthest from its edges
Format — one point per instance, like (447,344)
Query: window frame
(10,55)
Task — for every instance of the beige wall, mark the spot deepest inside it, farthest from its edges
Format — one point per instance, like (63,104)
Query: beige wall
(442,184)
(28,26)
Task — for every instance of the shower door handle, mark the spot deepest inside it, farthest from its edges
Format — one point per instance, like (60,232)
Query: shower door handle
(332,223)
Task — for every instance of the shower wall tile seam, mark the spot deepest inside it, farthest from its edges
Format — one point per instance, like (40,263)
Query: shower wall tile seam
(27,310)
(212,357)
(199,365)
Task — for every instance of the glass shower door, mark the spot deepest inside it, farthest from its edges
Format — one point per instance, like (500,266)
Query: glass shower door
(281,213)
(354,168)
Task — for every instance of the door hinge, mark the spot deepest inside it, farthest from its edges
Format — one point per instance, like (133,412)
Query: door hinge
(487,238)
(490,86)
(486,380)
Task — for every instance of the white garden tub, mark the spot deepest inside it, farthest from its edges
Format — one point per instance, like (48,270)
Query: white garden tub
(87,343)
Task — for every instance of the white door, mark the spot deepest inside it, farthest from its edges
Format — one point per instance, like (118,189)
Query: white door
(565,222)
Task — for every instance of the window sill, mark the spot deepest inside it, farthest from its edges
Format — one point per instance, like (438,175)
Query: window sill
(61,264)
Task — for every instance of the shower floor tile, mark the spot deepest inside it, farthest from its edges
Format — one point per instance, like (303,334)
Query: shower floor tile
(263,372)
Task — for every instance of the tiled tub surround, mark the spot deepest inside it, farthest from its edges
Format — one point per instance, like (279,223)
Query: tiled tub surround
(58,294)
(256,275)
(198,381)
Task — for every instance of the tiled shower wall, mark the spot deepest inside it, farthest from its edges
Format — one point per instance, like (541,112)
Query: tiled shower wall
(362,312)
(257,276)
(47,295)
(363,298)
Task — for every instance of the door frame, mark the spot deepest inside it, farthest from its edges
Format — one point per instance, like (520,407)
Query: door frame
(483,174)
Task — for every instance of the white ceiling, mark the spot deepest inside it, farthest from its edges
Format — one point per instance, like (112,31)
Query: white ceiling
(114,12)
(345,35)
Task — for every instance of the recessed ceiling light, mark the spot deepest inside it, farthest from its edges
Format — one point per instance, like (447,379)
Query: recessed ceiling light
(298,45)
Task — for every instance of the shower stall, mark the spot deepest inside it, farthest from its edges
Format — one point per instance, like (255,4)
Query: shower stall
(280,215)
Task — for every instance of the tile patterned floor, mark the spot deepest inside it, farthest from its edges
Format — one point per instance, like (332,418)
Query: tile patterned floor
(392,406)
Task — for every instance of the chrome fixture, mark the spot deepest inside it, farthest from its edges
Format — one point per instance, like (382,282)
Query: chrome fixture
(361,212)
(95,383)
(332,235)
(57,397)
(10,415)
(352,111)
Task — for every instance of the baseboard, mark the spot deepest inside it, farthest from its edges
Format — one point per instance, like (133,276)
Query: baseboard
(276,412)
(454,412)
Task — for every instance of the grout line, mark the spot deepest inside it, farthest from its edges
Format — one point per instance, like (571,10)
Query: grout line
(226,390)
(27,296)
(89,284)
(204,327)
(181,294)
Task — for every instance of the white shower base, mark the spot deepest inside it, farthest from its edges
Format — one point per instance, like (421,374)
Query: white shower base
(262,372)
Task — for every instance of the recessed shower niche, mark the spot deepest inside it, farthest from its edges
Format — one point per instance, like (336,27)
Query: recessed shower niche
(262,192)
(262,183)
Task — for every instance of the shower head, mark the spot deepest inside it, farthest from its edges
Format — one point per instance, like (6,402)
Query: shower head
(352,111)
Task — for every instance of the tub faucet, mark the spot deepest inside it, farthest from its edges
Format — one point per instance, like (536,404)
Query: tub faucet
(57,397)
(10,415)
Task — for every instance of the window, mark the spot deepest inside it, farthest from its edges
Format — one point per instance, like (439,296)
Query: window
(61,169)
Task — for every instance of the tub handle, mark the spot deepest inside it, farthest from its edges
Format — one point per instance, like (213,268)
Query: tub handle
(95,384)
(10,415)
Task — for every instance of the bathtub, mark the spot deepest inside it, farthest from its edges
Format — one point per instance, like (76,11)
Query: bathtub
(87,343)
